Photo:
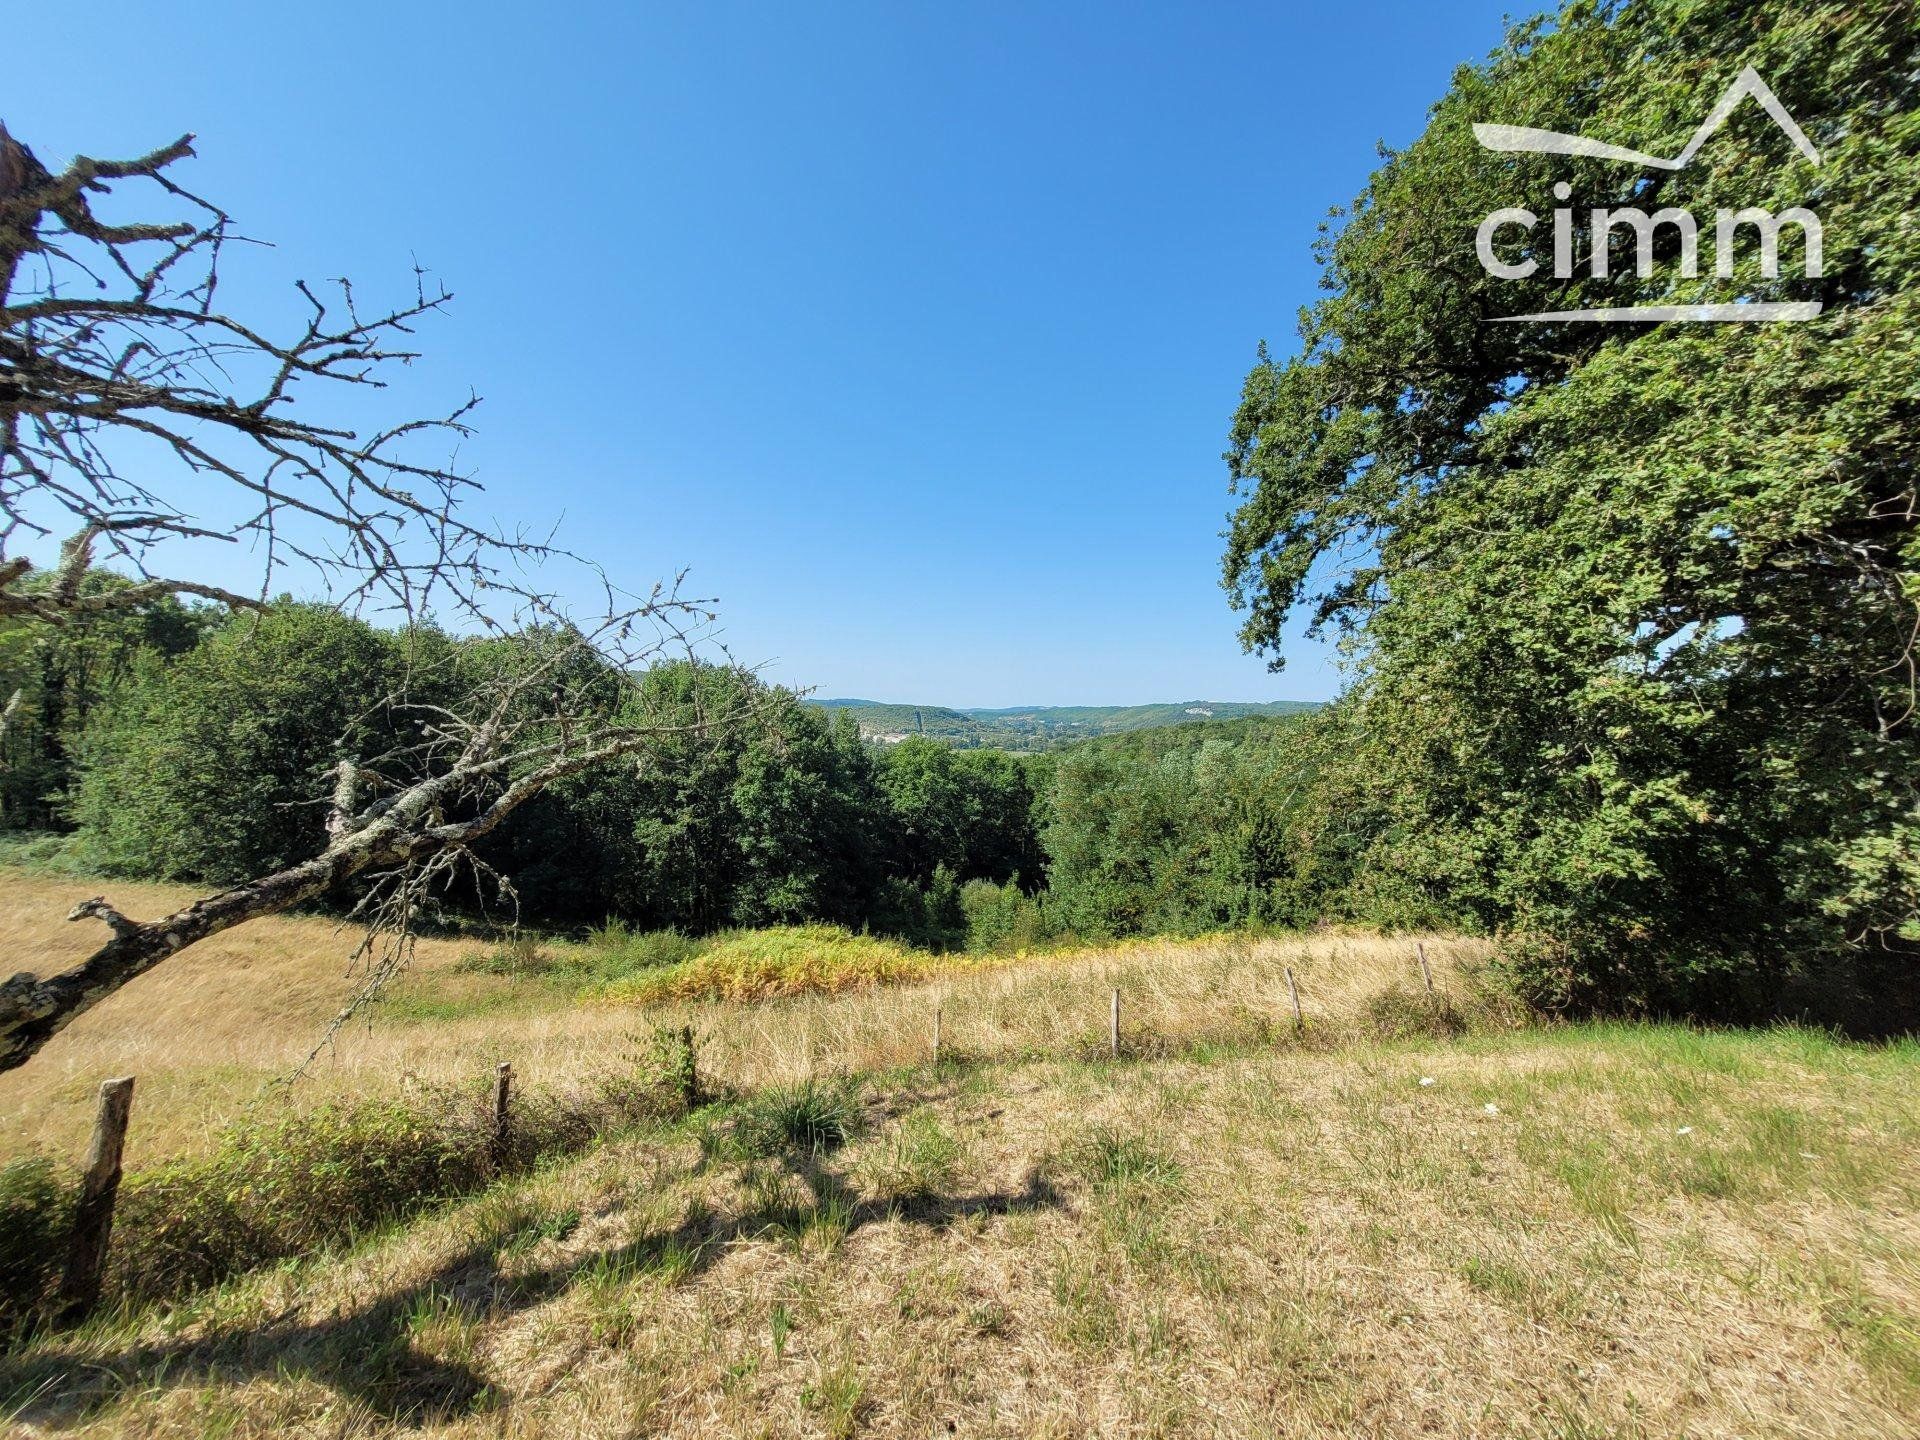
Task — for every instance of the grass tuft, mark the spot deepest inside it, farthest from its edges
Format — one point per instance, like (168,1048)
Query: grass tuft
(813,1117)
(918,1160)
(1110,1159)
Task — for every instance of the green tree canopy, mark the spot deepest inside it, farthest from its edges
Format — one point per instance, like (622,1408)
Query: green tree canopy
(1633,607)
(214,767)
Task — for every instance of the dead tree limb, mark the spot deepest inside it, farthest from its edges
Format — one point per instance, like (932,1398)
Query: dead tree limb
(115,354)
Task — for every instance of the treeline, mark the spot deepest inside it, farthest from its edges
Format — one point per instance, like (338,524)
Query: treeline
(201,750)
(184,746)
(180,744)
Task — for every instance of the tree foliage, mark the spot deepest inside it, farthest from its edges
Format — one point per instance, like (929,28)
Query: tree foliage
(742,806)
(1633,606)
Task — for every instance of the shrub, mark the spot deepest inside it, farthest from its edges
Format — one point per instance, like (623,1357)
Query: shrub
(928,916)
(791,960)
(36,1214)
(814,1117)
(1004,919)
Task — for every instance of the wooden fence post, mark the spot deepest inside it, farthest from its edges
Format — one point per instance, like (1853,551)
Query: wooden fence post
(936,1032)
(502,1090)
(1113,1027)
(1299,1021)
(1426,973)
(689,1070)
(93,1217)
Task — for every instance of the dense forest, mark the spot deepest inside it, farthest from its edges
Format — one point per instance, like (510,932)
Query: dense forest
(176,743)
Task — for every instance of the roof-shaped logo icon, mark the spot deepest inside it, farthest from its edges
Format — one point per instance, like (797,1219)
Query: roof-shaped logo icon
(1525,139)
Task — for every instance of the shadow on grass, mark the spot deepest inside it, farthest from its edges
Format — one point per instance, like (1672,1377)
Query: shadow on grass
(369,1355)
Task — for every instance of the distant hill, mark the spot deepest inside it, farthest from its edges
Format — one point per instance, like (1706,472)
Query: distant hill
(1042,727)
(896,722)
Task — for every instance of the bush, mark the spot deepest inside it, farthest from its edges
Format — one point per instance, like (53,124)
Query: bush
(1003,919)
(791,960)
(36,1216)
(928,916)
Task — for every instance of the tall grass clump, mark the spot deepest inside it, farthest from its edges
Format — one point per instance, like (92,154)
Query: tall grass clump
(811,1118)
(289,1185)
(616,951)
(518,956)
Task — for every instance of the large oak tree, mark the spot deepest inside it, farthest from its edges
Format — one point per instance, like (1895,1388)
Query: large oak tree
(1633,606)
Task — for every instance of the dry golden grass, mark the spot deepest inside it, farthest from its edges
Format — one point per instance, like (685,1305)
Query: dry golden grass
(208,1032)
(1580,1232)
(1274,1243)
(203,1033)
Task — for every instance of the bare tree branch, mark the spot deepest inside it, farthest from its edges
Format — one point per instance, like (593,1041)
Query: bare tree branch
(115,355)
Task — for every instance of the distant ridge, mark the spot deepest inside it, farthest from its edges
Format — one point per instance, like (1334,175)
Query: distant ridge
(1041,727)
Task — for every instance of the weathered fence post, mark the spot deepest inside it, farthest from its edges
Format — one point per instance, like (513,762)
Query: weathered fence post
(93,1217)
(1113,1027)
(1299,1020)
(689,1070)
(502,1090)
(1426,973)
(936,1032)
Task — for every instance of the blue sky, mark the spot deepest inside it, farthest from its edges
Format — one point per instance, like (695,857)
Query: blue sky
(913,331)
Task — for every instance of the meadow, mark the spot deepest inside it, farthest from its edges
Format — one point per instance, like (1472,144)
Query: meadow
(1413,1217)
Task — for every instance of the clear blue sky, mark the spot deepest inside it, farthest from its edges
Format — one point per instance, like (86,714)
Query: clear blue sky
(913,330)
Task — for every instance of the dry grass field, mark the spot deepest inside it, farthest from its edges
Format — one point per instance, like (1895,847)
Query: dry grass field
(209,1034)
(1577,1231)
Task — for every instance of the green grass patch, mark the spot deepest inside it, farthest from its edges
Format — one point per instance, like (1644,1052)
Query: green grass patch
(919,1159)
(1110,1159)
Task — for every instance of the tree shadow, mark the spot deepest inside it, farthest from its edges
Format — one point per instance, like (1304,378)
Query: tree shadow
(371,1354)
